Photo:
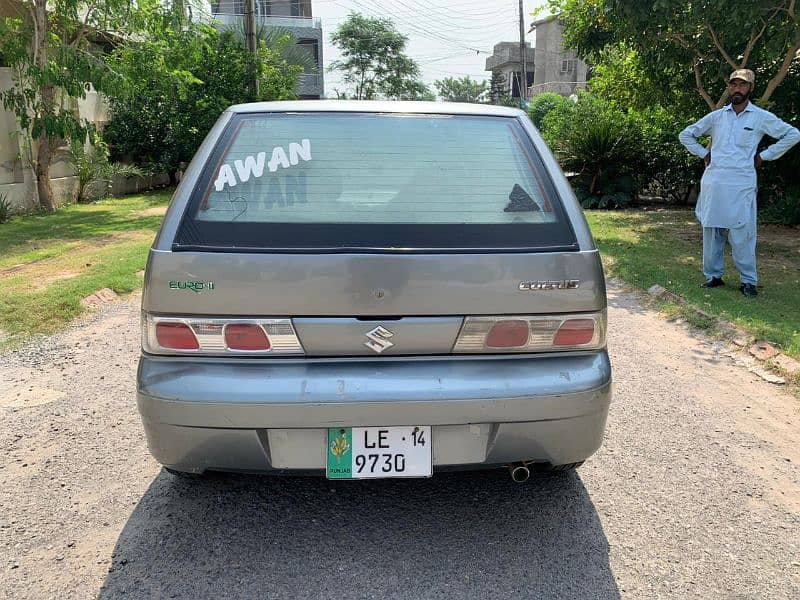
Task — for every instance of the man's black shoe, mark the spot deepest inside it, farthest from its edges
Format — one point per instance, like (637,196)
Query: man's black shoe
(713,282)
(749,290)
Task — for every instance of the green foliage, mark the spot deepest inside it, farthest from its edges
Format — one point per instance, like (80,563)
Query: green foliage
(498,88)
(595,140)
(373,60)
(94,170)
(664,165)
(611,190)
(780,204)
(5,209)
(676,39)
(56,53)
(600,145)
(180,78)
(464,89)
(540,106)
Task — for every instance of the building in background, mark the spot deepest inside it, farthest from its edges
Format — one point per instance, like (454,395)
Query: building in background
(506,60)
(294,16)
(556,69)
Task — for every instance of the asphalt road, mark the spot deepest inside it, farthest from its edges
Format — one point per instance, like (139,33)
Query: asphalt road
(695,493)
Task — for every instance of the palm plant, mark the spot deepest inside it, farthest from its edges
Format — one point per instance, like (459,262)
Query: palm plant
(94,170)
(281,40)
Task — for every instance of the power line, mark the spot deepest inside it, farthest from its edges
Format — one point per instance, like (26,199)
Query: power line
(418,29)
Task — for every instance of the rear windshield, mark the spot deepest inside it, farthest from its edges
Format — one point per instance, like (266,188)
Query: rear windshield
(395,182)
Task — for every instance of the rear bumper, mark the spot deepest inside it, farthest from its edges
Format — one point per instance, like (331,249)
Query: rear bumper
(253,415)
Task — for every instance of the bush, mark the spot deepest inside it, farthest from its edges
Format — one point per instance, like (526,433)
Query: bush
(5,208)
(601,145)
(665,165)
(94,171)
(612,190)
(542,105)
(780,205)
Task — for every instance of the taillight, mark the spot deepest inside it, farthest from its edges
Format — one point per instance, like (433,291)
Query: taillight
(219,337)
(508,334)
(249,337)
(575,332)
(537,333)
(176,336)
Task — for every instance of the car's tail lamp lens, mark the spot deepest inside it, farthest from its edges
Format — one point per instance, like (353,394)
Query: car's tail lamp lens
(219,337)
(508,334)
(536,333)
(575,332)
(248,337)
(176,336)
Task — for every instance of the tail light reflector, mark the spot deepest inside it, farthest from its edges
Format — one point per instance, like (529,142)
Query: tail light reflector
(249,337)
(508,334)
(535,333)
(219,336)
(575,332)
(176,336)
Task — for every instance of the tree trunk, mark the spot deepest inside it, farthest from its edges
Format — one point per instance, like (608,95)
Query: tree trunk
(44,152)
(43,160)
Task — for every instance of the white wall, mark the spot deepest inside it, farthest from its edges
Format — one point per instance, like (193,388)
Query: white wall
(18,182)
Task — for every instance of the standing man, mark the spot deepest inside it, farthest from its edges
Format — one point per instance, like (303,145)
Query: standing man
(726,206)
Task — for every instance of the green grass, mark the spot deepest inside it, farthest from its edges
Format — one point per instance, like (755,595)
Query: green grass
(664,247)
(48,263)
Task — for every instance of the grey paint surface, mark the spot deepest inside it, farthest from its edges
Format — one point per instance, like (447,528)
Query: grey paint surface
(371,284)
(221,414)
(409,336)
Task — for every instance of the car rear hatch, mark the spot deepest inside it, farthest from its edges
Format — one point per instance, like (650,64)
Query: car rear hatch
(364,234)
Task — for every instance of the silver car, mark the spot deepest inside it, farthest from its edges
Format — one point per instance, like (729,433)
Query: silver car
(373,289)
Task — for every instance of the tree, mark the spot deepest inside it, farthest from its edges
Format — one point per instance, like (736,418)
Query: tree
(704,39)
(464,89)
(373,60)
(498,88)
(181,77)
(55,52)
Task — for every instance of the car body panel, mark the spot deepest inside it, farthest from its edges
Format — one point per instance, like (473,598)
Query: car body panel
(372,284)
(270,413)
(488,411)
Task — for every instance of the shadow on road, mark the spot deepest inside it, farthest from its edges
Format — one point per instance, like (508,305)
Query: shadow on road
(472,535)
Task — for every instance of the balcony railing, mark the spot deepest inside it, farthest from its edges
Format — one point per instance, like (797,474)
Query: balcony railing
(232,11)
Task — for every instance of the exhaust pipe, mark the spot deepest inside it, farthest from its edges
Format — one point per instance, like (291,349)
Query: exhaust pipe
(520,472)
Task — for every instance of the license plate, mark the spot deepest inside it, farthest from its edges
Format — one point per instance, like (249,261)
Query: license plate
(373,452)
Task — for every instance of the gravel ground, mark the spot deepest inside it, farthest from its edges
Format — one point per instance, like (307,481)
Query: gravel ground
(695,493)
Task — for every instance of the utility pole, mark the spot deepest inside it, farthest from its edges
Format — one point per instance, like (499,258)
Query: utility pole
(252,42)
(523,56)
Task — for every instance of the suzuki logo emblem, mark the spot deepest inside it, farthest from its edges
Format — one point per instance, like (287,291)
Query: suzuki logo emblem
(379,339)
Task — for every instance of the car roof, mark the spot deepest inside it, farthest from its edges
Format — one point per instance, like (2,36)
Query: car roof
(378,106)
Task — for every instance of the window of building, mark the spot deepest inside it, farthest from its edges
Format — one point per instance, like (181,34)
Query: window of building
(311,46)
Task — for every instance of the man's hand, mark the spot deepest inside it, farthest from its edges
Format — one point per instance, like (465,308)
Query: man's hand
(707,159)
(758,162)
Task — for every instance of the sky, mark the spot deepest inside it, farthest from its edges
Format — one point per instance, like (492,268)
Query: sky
(447,38)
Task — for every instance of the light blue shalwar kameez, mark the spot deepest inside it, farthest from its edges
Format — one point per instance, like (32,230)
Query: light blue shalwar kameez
(727,202)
